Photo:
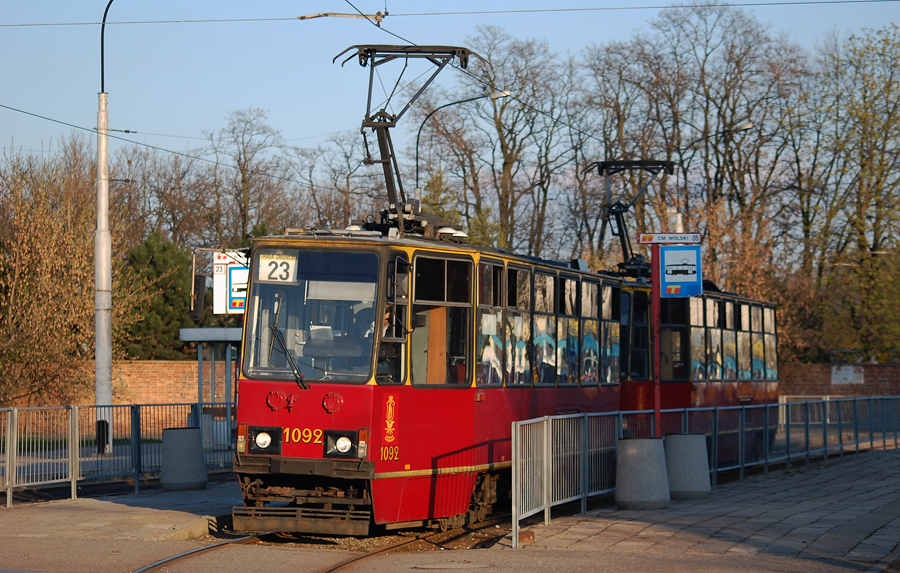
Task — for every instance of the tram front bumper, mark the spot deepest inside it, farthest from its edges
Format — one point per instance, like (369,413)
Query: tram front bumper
(302,520)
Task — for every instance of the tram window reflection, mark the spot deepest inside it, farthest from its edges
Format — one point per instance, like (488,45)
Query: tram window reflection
(757,349)
(489,366)
(590,352)
(698,354)
(544,329)
(714,354)
(610,366)
(517,327)
(489,354)
(567,332)
(771,358)
(743,349)
(729,353)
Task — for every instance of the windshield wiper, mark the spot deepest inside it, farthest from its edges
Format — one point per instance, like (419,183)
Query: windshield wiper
(288,354)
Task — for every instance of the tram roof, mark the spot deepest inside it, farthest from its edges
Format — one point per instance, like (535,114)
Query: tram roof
(376,238)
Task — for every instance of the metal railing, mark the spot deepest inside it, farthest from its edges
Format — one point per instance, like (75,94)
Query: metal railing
(559,459)
(42,446)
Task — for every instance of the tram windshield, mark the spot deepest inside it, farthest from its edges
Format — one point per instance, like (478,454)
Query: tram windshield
(311,315)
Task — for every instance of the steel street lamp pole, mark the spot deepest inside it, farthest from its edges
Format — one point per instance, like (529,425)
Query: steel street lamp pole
(493,96)
(103,272)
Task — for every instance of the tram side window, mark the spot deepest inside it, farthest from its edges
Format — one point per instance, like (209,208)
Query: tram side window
(391,365)
(714,319)
(611,332)
(729,344)
(742,320)
(771,344)
(640,336)
(625,325)
(757,345)
(589,356)
(489,344)
(517,327)
(698,341)
(567,332)
(673,339)
(441,314)
(544,329)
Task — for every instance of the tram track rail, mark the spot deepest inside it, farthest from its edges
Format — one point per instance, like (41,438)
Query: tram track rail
(194,552)
(429,537)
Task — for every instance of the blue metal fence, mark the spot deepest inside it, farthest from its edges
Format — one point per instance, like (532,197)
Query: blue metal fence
(73,444)
(557,459)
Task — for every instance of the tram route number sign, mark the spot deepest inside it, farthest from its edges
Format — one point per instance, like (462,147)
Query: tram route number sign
(669,238)
(230,278)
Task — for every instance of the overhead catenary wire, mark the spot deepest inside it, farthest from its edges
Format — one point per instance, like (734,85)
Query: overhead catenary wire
(469,13)
(486,86)
(178,153)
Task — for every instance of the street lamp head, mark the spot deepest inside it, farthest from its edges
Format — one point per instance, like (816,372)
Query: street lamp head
(742,127)
(500,94)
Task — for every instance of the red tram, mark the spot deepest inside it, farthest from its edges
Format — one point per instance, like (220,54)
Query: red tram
(382,365)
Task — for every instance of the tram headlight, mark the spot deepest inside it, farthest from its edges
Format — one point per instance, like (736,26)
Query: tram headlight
(343,444)
(263,440)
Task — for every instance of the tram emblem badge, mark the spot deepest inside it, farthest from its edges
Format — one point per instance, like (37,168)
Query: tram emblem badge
(276,400)
(390,413)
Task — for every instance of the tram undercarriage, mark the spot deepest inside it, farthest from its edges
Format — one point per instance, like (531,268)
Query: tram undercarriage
(285,494)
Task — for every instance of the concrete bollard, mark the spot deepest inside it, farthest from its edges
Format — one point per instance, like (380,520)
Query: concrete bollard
(641,478)
(688,466)
(183,464)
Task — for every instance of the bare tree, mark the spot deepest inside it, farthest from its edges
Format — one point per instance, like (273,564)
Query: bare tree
(500,156)
(245,188)
(47,222)
(166,193)
(335,182)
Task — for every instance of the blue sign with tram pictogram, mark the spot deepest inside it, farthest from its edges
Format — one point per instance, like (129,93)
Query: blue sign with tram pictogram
(680,271)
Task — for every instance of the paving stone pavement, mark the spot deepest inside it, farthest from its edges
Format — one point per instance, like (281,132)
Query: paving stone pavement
(843,511)
(153,515)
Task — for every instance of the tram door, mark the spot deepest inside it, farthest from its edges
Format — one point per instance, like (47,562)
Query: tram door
(440,358)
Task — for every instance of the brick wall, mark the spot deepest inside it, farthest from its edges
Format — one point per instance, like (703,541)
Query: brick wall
(163,382)
(849,380)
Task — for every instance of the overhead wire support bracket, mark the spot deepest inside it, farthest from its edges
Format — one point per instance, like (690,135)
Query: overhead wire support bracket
(632,265)
(381,121)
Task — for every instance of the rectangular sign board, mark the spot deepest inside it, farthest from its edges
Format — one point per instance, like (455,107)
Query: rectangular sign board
(230,277)
(680,271)
(669,238)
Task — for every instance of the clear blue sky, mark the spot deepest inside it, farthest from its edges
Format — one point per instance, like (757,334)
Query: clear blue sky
(180,79)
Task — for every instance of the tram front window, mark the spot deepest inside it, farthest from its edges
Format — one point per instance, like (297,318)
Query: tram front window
(314,310)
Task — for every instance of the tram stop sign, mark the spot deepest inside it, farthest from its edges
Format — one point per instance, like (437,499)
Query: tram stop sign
(230,277)
(680,271)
